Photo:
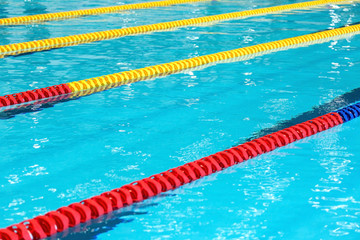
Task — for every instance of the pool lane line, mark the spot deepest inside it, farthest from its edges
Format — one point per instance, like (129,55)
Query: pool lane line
(60,42)
(102,83)
(86,12)
(76,213)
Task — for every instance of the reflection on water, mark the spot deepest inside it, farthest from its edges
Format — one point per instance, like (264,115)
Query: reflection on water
(330,195)
(91,229)
(3,8)
(87,146)
(3,14)
(34,7)
(34,31)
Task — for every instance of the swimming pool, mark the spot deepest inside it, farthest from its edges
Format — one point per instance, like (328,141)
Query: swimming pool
(54,156)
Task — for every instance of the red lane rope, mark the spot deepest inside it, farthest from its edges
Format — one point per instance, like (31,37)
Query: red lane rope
(33,95)
(76,213)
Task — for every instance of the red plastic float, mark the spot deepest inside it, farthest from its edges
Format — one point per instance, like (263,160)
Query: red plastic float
(76,213)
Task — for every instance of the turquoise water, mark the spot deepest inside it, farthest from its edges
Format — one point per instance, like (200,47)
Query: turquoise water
(81,148)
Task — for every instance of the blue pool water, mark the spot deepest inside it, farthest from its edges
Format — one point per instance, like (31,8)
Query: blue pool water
(77,149)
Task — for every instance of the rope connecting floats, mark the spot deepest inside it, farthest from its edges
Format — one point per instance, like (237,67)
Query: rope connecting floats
(59,42)
(97,84)
(85,12)
(65,217)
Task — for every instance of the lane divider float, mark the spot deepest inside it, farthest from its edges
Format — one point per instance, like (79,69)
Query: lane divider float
(59,42)
(76,213)
(87,12)
(97,84)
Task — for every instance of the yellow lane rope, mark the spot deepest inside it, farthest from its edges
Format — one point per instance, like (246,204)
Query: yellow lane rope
(102,83)
(97,84)
(93,11)
(46,44)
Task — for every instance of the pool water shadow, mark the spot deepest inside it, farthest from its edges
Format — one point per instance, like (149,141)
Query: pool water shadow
(91,229)
(335,104)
